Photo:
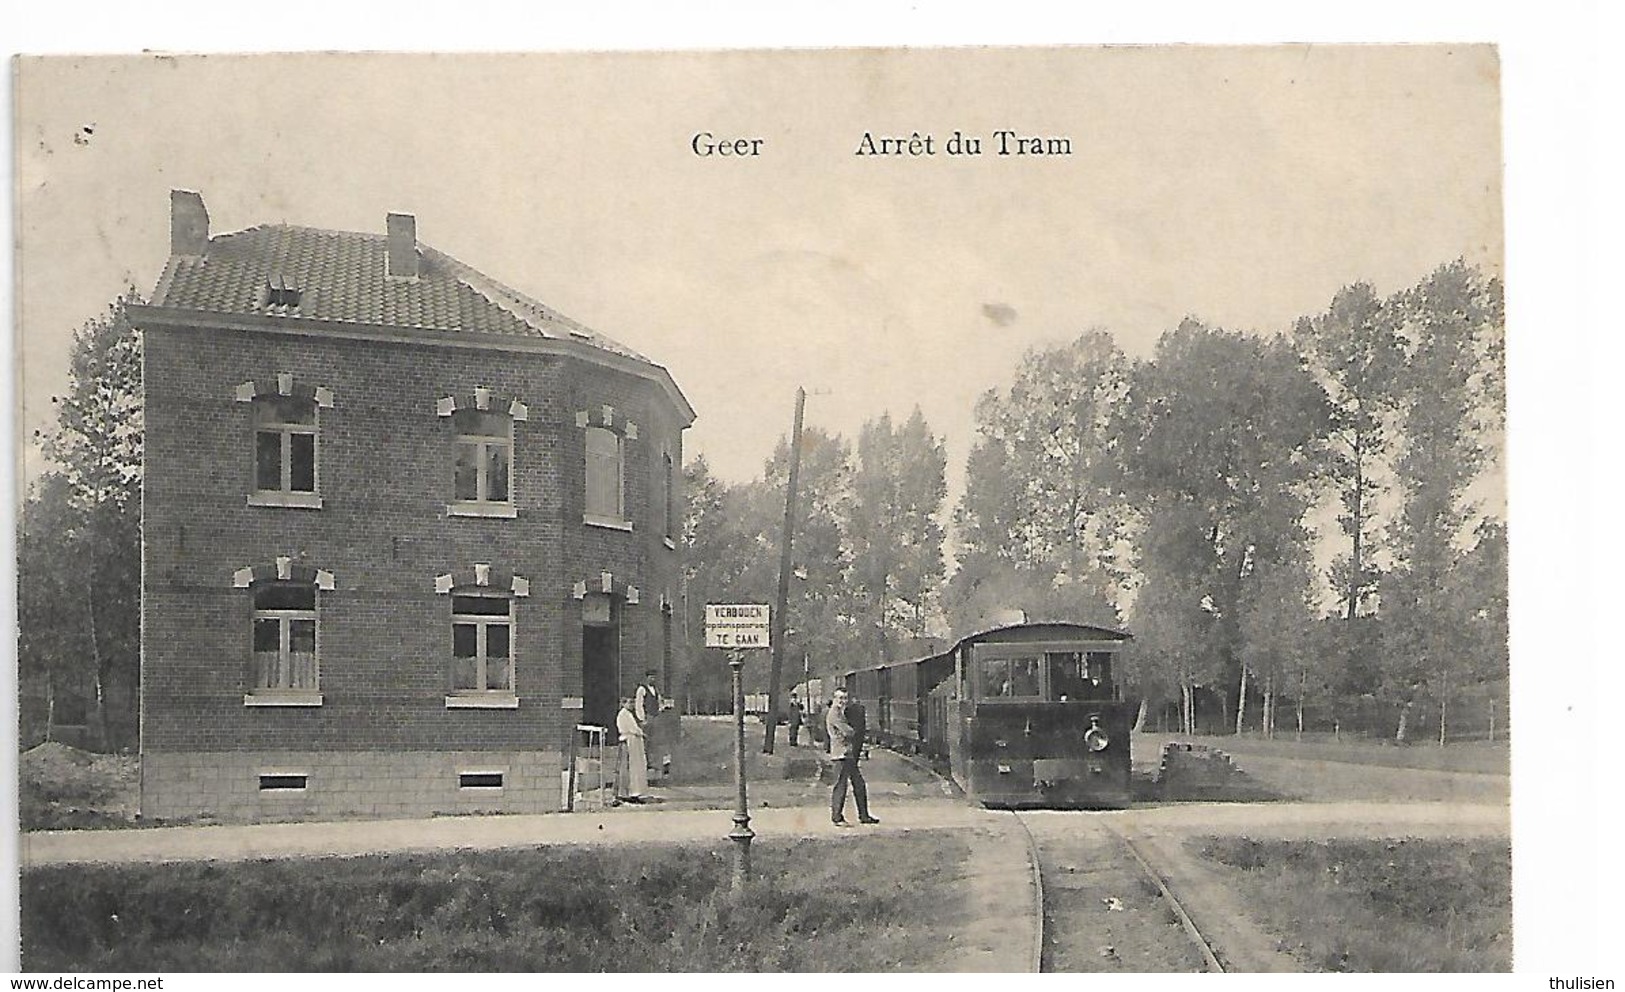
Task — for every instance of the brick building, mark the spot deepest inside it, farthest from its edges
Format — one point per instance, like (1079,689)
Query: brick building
(403,527)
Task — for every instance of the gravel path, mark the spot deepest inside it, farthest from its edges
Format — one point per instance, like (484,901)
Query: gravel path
(1317,820)
(624,825)
(998,905)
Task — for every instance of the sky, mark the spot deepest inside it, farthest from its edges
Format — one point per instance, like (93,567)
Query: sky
(1244,189)
(1242,186)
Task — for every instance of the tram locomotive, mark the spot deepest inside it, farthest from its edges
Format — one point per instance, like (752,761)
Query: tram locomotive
(1025,716)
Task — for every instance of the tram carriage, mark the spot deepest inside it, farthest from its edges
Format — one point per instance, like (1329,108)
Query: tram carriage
(1023,716)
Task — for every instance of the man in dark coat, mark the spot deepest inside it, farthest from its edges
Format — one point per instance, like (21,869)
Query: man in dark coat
(795,720)
(858,717)
(845,750)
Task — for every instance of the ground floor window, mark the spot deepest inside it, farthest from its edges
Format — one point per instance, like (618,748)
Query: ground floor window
(285,636)
(481,643)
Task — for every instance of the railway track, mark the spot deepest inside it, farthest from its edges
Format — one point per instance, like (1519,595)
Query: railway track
(1101,904)
(1068,915)
(1205,947)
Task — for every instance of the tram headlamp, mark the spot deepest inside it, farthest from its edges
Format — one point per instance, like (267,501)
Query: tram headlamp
(1094,738)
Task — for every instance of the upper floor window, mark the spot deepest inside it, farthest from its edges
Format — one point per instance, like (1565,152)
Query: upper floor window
(606,477)
(285,637)
(482,475)
(282,297)
(285,433)
(669,487)
(481,643)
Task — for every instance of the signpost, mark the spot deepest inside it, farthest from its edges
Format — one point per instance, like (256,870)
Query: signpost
(738,627)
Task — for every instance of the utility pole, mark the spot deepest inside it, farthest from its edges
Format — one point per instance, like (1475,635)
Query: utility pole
(777,620)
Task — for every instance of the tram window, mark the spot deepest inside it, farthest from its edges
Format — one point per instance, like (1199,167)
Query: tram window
(1067,679)
(1024,678)
(996,677)
(1098,669)
(1011,678)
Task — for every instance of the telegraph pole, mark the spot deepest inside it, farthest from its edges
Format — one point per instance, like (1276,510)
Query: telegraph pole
(779,611)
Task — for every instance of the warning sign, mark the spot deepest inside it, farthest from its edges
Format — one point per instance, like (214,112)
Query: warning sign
(736,625)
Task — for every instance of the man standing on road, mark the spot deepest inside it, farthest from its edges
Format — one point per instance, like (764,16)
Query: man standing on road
(846,749)
(795,720)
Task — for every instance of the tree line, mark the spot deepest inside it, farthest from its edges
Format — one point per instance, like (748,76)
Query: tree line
(868,550)
(1192,496)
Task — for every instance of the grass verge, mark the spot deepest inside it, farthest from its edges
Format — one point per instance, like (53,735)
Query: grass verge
(1379,905)
(1476,756)
(883,904)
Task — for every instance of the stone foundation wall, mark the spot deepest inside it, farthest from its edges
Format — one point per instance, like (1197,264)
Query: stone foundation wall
(1202,772)
(232,786)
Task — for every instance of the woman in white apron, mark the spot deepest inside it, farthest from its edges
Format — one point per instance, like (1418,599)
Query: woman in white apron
(634,744)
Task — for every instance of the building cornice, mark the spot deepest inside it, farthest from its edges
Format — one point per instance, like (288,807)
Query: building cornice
(144,316)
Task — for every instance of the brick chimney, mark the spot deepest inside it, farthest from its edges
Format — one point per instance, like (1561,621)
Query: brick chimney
(188,223)
(403,246)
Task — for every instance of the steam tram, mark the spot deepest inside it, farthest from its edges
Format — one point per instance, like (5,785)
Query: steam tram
(1022,716)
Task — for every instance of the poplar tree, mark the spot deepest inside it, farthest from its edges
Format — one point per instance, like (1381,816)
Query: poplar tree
(1218,441)
(93,539)
(1453,325)
(1039,515)
(1354,352)
(821,608)
(899,483)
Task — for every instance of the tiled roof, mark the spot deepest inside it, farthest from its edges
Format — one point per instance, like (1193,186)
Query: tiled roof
(341,276)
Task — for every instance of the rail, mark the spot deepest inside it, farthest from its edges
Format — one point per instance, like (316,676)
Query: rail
(1204,947)
(1039,914)
(1209,956)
